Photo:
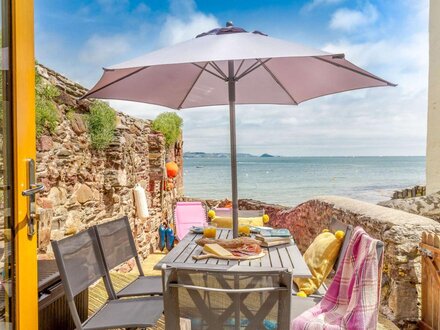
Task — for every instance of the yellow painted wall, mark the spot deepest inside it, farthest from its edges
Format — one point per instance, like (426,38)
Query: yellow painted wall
(433,143)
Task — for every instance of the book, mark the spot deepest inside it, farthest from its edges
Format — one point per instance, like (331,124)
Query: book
(275,233)
(280,241)
(271,239)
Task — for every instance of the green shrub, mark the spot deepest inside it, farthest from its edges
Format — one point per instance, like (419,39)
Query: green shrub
(46,112)
(101,124)
(169,124)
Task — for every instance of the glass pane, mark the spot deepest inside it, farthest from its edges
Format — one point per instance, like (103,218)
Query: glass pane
(6,245)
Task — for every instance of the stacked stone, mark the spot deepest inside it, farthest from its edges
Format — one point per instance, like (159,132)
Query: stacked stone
(416,191)
(85,186)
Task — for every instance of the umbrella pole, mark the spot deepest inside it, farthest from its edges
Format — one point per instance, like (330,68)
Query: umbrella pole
(231,92)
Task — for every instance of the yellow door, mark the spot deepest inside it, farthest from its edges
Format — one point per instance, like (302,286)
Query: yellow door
(18,259)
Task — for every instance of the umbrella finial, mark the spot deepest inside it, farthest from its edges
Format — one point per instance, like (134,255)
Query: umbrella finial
(229,24)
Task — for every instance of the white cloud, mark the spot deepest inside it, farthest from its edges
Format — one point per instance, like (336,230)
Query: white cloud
(408,66)
(100,49)
(185,23)
(317,3)
(348,19)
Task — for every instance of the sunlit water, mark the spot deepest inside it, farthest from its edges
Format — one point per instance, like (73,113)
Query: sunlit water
(292,180)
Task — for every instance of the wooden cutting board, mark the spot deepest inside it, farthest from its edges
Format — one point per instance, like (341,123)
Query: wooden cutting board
(210,255)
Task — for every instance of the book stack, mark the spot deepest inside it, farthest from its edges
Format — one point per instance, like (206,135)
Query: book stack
(274,237)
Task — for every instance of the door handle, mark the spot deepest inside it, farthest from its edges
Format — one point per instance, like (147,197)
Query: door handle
(33,189)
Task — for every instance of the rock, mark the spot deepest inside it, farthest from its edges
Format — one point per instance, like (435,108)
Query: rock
(45,143)
(84,194)
(64,153)
(70,231)
(64,98)
(45,203)
(83,105)
(58,195)
(428,206)
(44,228)
(78,124)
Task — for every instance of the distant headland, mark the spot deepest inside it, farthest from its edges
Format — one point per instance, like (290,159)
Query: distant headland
(221,155)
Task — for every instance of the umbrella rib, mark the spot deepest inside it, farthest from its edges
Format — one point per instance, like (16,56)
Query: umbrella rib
(192,86)
(209,71)
(258,63)
(115,81)
(217,68)
(239,67)
(278,82)
(354,70)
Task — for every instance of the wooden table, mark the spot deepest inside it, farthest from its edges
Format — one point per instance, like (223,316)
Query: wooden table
(282,256)
(277,258)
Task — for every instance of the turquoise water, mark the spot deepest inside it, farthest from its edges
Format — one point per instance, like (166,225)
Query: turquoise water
(292,180)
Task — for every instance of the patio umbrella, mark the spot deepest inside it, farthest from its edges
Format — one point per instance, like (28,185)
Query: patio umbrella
(231,66)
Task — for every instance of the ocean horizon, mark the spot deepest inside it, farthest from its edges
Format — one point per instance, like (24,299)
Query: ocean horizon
(292,180)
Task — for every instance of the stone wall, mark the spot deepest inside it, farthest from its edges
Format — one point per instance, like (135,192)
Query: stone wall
(400,231)
(427,206)
(85,186)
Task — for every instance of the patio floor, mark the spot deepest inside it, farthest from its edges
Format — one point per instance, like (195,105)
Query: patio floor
(97,294)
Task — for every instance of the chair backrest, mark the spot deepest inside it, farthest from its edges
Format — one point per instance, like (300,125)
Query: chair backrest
(227,212)
(188,214)
(219,299)
(79,261)
(116,243)
(380,250)
(348,230)
(80,265)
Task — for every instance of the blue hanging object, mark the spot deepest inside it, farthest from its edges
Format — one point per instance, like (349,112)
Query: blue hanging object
(162,237)
(169,238)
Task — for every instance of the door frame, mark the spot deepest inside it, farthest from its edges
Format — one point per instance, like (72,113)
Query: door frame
(24,147)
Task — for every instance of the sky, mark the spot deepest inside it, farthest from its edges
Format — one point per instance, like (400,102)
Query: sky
(386,37)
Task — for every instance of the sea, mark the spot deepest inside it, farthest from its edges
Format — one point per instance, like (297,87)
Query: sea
(292,180)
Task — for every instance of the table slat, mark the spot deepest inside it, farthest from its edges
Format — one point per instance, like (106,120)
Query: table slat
(275,258)
(300,269)
(285,259)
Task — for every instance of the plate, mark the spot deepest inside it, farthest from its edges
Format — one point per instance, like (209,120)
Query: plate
(257,229)
(196,230)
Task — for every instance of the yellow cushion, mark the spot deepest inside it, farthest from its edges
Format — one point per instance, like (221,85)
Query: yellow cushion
(226,222)
(320,257)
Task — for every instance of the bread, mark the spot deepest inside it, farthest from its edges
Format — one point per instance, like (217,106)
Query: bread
(228,243)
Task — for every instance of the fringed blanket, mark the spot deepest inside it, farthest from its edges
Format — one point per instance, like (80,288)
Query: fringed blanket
(352,300)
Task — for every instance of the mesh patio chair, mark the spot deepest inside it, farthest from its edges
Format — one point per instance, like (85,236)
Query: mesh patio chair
(220,299)
(186,215)
(80,264)
(117,246)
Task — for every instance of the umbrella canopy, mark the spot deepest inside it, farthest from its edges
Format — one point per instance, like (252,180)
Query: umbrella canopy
(232,66)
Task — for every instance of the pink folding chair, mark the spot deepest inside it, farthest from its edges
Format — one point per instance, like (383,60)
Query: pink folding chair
(188,214)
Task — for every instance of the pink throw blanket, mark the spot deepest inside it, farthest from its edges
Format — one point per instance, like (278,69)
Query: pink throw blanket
(352,300)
